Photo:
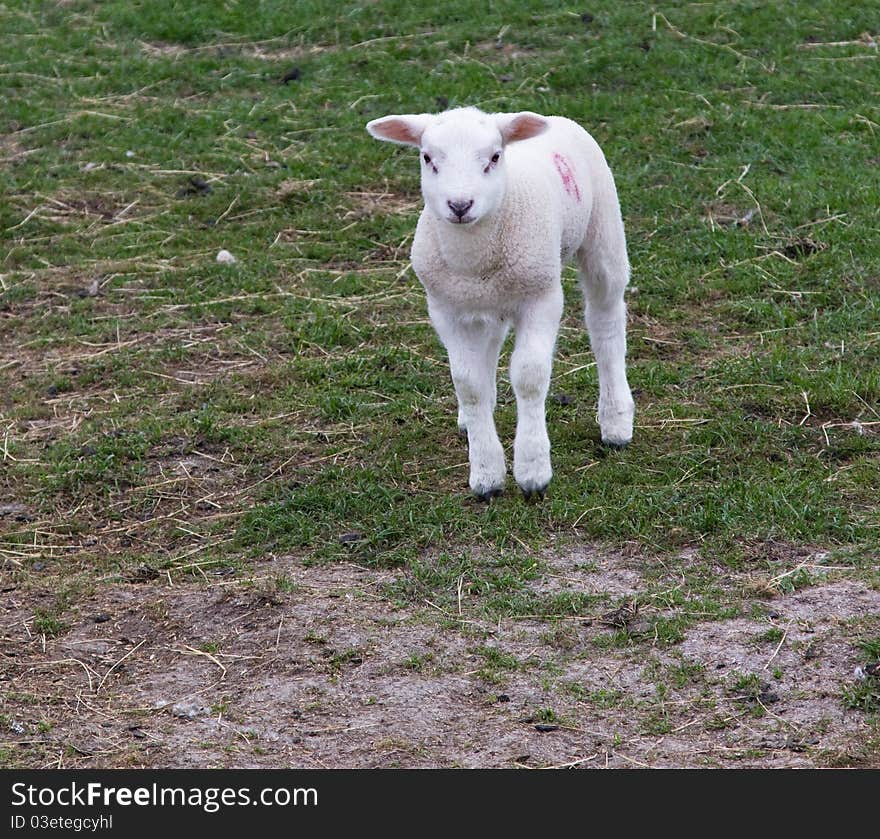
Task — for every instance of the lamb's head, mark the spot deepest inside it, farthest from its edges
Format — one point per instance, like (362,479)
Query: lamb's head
(462,156)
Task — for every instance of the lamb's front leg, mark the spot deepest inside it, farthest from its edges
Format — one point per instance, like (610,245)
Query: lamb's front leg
(473,346)
(530,367)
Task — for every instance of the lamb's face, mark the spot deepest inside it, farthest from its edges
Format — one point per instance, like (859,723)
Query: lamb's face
(462,156)
(463,173)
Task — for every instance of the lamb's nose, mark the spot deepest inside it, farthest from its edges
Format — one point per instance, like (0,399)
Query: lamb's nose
(460,208)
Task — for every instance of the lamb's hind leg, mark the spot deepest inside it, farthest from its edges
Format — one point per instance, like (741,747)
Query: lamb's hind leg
(473,346)
(604,277)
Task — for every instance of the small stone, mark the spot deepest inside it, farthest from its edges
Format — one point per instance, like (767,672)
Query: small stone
(348,538)
(226,258)
(12,509)
(101,617)
(91,290)
(544,727)
(189,710)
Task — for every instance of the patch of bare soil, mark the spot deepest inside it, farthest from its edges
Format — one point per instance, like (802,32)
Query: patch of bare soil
(321,666)
(589,571)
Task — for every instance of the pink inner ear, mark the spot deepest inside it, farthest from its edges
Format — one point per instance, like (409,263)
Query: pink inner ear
(523,127)
(397,130)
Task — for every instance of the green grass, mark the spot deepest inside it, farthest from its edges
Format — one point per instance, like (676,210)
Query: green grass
(870,647)
(864,693)
(160,409)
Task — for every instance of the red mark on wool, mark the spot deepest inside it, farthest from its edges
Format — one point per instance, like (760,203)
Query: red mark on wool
(567,174)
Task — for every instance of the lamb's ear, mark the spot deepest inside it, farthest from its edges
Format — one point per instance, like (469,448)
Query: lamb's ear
(406,129)
(520,126)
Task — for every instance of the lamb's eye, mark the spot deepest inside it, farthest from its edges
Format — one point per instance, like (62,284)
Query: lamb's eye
(426,158)
(496,157)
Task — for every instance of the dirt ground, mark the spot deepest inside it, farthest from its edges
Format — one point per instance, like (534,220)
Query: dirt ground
(330,669)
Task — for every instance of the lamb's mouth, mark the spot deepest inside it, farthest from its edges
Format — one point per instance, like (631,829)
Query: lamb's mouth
(457,220)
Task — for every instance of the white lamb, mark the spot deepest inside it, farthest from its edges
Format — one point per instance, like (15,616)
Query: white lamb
(508,199)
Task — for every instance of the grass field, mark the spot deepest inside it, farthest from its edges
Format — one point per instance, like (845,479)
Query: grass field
(180,435)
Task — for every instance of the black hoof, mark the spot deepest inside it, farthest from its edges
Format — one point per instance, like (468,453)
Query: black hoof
(534,494)
(487,496)
(618,447)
